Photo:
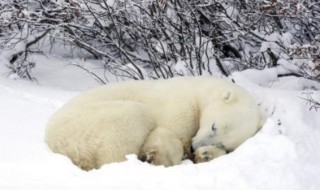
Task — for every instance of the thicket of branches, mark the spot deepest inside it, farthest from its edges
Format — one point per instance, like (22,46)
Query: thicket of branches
(164,38)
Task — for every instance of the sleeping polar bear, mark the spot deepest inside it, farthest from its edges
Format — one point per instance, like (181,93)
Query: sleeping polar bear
(102,125)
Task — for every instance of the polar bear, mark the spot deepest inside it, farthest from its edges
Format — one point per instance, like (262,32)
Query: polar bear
(199,108)
(162,147)
(183,104)
(95,133)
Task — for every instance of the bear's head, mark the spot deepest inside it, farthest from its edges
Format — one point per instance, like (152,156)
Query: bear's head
(228,121)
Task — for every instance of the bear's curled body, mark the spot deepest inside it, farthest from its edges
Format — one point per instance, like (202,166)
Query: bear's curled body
(105,124)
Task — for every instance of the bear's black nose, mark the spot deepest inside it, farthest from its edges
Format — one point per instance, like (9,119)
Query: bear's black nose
(192,149)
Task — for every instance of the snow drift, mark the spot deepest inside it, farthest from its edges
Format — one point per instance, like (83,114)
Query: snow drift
(283,155)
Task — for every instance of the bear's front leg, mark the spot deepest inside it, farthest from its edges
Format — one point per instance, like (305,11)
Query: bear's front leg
(151,156)
(162,147)
(207,153)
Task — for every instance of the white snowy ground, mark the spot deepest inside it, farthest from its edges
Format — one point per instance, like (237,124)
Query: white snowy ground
(283,155)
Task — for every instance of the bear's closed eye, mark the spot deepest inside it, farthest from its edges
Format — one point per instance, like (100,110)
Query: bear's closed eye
(214,127)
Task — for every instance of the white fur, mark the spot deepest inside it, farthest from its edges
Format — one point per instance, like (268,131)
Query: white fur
(102,125)
(207,153)
(235,118)
(95,133)
(162,147)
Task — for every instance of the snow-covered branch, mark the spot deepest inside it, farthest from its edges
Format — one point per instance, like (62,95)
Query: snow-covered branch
(162,39)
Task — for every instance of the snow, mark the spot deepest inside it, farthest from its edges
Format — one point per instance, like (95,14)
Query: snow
(283,155)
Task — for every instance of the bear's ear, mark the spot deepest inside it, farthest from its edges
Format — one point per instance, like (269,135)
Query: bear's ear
(228,96)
